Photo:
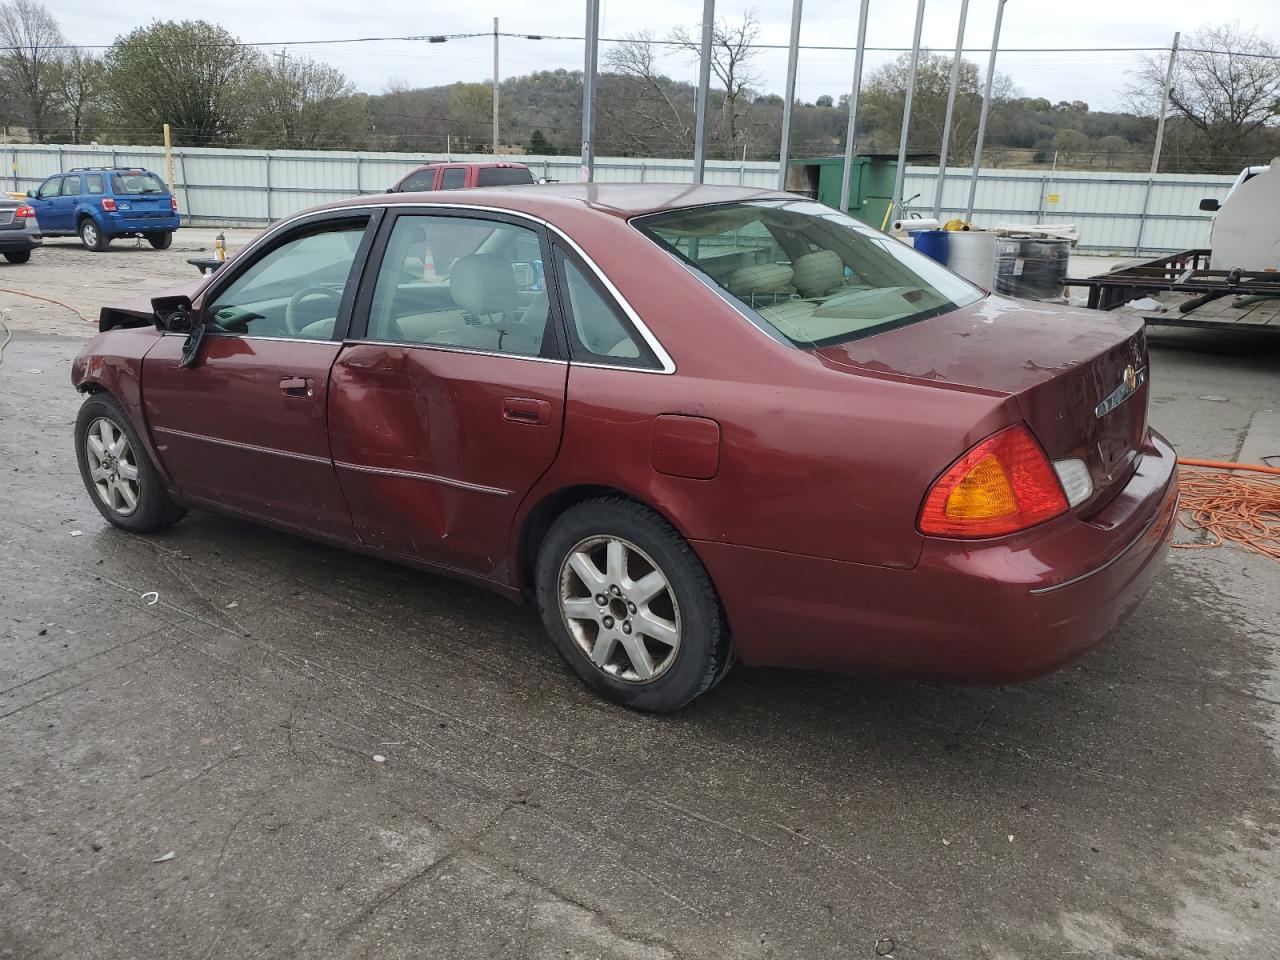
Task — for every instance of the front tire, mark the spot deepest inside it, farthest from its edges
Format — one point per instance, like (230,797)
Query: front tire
(629,605)
(91,235)
(160,241)
(18,256)
(121,479)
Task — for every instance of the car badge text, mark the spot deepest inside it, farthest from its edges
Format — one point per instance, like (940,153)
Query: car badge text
(1129,385)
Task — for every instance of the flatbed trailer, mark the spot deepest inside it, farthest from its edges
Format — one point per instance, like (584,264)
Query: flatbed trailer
(1193,292)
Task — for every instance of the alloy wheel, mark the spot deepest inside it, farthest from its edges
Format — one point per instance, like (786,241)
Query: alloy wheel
(619,607)
(112,466)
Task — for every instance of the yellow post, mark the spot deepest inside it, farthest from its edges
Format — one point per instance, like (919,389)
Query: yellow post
(168,158)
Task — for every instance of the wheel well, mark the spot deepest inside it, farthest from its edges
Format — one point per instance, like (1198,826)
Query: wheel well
(542,516)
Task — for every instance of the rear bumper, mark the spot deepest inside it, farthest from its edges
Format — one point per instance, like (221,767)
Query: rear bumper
(991,611)
(116,223)
(14,240)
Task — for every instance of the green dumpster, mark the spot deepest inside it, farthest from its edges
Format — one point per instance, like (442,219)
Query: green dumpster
(870,188)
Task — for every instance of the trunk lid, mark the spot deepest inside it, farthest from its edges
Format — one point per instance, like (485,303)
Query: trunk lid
(1079,376)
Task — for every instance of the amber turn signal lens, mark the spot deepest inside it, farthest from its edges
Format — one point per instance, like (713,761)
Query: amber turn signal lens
(1003,485)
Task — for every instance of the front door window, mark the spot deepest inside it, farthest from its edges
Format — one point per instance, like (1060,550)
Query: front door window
(294,291)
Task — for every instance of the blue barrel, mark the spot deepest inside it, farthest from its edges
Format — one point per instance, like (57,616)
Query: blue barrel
(934,243)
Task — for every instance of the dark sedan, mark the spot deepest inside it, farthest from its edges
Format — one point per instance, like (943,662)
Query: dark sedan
(688,423)
(19,232)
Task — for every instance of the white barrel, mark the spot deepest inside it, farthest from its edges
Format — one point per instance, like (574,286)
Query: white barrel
(973,256)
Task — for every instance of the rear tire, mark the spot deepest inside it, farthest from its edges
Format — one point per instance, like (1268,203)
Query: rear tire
(629,605)
(121,479)
(160,241)
(18,256)
(91,235)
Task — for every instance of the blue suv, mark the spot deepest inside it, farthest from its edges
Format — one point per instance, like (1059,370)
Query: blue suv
(99,204)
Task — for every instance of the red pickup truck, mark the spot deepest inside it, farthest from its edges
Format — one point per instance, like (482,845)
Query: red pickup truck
(462,176)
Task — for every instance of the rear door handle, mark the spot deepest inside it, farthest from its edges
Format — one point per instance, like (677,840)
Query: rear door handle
(296,386)
(526,410)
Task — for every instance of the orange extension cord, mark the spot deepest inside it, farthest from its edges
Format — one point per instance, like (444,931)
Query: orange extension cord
(56,303)
(1244,510)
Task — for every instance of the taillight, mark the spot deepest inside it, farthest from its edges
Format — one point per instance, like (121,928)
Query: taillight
(108,204)
(173,202)
(23,212)
(1004,484)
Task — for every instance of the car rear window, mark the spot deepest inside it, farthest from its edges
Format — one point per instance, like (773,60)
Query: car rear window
(502,176)
(804,272)
(133,184)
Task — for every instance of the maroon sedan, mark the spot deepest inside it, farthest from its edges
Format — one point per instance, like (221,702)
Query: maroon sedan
(689,423)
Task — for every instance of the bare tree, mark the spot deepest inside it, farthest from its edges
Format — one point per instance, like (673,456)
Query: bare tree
(29,65)
(1226,88)
(646,108)
(81,86)
(732,53)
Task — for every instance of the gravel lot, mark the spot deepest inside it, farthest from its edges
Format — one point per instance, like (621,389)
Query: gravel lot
(195,777)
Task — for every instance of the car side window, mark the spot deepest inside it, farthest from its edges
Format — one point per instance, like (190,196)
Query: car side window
(422,180)
(294,290)
(598,332)
(463,283)
(454,178)
(94,182)
(50,188)
(71,186)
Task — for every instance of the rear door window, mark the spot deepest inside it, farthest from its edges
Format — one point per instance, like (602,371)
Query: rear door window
(454,178)
(71,186)
(464,283)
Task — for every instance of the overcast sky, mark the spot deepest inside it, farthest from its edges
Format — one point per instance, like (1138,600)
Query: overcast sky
(1095,77)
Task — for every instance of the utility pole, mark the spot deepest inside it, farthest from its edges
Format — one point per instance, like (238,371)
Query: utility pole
(951,109)
(1164,104)
(592,45)
(704,88)
(495,86)
(986,108)
(853,106)
(793,55)
(906,109)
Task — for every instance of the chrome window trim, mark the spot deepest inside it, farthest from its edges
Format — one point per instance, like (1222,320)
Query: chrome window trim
(250,447)
(427,477)
(447,348)
(668,365)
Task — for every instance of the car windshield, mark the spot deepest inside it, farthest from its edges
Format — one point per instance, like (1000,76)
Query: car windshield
(502,176)
(806,273)
(132,184)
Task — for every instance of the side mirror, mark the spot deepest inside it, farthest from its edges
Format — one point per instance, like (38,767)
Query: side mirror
(1210,205)
(31,194)
(172,314)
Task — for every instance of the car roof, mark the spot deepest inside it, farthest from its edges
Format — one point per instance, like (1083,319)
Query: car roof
(471,163)
(622,200)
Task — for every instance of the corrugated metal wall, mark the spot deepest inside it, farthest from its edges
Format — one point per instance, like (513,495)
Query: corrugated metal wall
(1114,212)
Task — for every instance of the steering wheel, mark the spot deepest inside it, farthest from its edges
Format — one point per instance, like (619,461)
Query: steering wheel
(315,290)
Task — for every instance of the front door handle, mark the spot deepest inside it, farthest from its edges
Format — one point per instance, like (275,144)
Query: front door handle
(296,386)
(526,410)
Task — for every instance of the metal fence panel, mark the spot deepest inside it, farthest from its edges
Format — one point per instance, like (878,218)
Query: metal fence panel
(1114,212)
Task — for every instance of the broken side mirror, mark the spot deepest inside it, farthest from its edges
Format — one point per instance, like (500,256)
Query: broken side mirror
(174,315)
(1210,205)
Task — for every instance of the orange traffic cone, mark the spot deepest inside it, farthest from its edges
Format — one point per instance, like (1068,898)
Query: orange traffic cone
(428,266)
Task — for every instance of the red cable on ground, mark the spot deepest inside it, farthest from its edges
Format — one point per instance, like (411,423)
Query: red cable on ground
(56,303)
(1244,510)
